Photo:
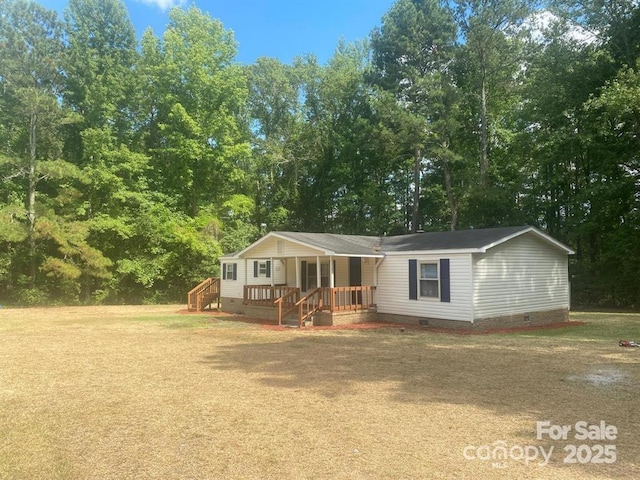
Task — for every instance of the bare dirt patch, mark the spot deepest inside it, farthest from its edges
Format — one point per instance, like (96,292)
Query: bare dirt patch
(146,392)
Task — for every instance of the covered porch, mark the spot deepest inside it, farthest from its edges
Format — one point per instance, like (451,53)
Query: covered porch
(333,301)
(304,286)
(318,277)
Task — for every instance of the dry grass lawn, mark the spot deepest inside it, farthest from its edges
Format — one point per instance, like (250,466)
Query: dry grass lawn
(147,393)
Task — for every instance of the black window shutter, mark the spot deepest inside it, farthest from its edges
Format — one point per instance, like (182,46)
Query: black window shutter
(303,274)
(413,279)
(268,268)
(445,281)
(255,268)
(224,271)
(235,271)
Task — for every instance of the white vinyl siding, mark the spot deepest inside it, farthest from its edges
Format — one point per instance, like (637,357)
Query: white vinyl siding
(270,248)
(393,288)
(368,267)
(342,272)
(233,288)
(260,279)
(279,272)
(522,275)
(290,271)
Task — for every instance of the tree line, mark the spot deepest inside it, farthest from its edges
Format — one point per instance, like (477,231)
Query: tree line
(129,166)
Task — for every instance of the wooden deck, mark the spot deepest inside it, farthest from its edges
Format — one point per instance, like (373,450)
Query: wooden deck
(266,295)
(288,300)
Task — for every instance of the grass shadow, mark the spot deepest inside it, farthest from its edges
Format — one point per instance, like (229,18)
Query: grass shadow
(543,378)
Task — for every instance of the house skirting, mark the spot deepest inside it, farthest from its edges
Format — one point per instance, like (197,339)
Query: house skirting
(321,319)
(529,319)
(231,305)
(235,305)
(347,317)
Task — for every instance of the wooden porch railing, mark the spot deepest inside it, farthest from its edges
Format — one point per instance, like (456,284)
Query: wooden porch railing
(265,295)
(203,294)
(335,299)
(350,298)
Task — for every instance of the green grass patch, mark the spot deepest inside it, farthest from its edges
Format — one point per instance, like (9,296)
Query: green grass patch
(197,321)
(599,326)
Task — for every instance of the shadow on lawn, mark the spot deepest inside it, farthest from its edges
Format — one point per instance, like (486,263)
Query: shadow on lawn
(503,375)
(499,374)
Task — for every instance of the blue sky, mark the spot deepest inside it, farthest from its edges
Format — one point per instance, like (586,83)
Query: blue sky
(274,28)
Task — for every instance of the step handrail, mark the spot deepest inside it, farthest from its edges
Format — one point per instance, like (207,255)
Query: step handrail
(310,311)
(281,300)
(196,293)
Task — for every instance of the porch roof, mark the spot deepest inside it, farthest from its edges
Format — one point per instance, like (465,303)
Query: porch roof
(323,243)
(335,244)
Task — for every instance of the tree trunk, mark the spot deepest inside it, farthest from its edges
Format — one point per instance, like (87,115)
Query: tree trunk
(31,206)
(453,205)
(484,159)
(417,168)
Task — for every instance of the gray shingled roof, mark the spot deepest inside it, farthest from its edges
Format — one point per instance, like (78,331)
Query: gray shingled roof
(460,239)
(428,241)
(339,244)
(362,245)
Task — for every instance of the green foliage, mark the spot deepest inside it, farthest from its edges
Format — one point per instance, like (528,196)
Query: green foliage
(197,95)
(30,297)
(12,229)
(128,168)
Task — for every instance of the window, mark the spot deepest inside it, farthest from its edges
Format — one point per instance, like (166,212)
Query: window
(262,269)
(229,271)
(430,280)
(312,279)
(429,283)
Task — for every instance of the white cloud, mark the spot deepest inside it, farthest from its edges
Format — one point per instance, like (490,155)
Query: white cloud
(540,24)
(163,4)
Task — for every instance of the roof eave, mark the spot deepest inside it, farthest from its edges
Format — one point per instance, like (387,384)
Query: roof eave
(441,251)
(322,251)
(537,232)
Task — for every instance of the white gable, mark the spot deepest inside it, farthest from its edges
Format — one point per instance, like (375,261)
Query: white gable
(522,275)
(272,245)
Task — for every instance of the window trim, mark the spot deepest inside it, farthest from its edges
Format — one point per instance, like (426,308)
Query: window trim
(262,269)
(435,279)
(444,279)
(229,271)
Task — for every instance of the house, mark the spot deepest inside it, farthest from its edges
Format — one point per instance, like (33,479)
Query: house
(473,279)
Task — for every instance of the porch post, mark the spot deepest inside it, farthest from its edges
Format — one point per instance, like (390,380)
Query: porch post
(332,284)
(272,272)
(375,272)
(331,272)
(318,279)
(246,278)
(297,273)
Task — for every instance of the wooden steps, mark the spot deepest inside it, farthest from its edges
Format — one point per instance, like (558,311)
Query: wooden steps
(203,295)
